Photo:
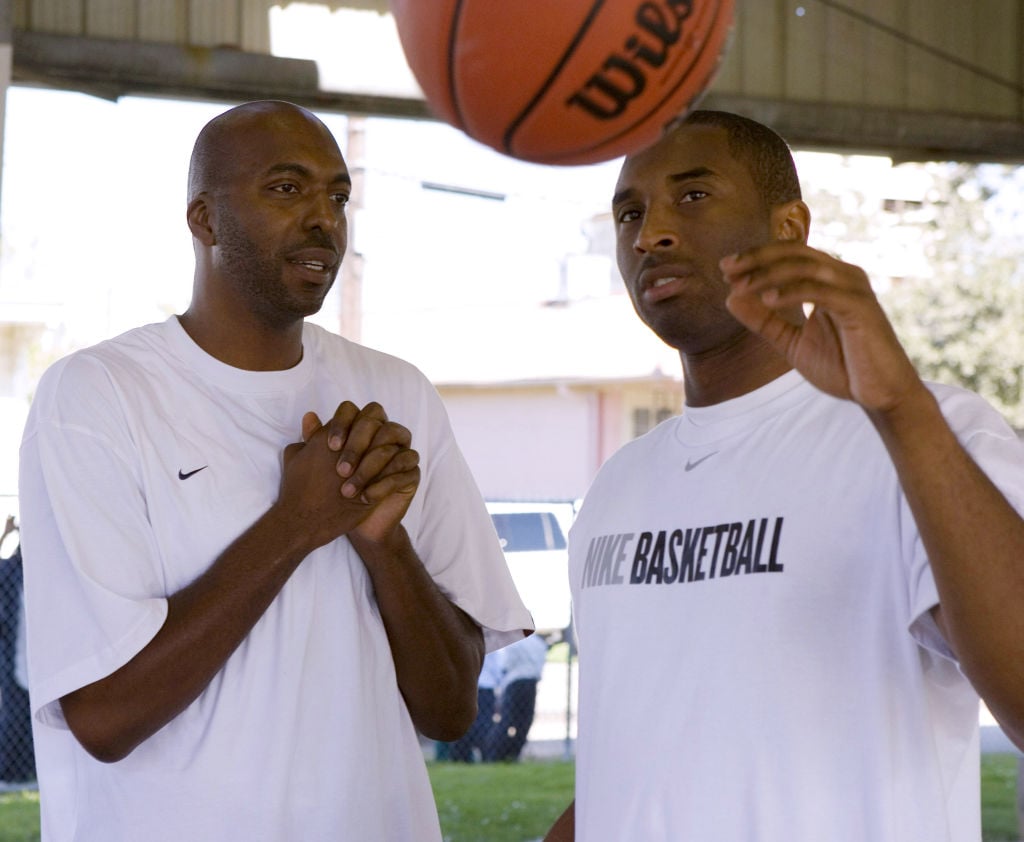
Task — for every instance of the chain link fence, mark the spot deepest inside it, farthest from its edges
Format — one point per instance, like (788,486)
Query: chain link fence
(17,760)
(523,711)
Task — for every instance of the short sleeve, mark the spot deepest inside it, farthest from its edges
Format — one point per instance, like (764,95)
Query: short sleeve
(459,547)
(93,589)
(999,452)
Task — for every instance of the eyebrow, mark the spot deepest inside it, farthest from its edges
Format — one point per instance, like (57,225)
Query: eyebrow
(299,169)
(696,172)
(674,178)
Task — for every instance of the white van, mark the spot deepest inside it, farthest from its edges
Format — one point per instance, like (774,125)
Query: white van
(533,536)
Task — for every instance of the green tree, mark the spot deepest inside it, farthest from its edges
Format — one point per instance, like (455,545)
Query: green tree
(964,324)
(947,259)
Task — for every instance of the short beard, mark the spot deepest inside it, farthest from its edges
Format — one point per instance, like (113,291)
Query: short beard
(256,276)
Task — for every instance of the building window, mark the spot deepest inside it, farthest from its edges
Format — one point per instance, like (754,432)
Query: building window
(641,421)
(646,419)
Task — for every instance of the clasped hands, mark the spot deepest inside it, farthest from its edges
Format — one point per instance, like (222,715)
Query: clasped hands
(354,474)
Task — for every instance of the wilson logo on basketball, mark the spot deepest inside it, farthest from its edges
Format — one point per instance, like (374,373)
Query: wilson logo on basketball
(563,82)
(622,78)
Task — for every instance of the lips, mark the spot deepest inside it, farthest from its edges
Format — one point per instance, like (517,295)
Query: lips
(660,282)
(318,260)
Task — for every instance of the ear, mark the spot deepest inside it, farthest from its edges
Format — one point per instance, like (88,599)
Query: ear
(791,221)
(199,219)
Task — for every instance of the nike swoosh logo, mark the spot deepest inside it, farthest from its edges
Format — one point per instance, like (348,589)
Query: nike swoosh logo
(183,475)
(690,465)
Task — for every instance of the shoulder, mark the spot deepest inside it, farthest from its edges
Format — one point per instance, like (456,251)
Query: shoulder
(333,350)
(361,374)
(127,351)
(90,381)
(968,413)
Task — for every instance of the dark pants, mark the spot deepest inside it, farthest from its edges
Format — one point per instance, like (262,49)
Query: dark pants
(518,702)
(462,750)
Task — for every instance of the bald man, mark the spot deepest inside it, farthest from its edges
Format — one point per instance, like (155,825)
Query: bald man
(260,563)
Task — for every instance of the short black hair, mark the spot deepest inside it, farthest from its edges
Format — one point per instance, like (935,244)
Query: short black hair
(766,155)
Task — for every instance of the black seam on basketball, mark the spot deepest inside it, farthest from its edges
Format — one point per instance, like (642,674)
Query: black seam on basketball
(452,39)
(514,127)
(700,93)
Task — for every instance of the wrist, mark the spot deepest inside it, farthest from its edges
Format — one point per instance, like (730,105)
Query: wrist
(387,542)
(917,407)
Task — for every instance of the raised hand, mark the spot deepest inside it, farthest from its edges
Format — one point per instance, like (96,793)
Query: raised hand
(845,345)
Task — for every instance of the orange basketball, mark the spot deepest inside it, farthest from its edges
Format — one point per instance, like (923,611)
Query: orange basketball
(562,81)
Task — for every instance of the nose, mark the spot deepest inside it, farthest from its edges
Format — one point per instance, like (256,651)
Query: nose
(322,212)
(655,232)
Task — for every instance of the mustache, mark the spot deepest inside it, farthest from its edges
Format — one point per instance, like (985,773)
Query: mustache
(654,261)
(318,240)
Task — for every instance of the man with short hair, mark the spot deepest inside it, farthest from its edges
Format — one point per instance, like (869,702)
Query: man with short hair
(789,597)
(248,591)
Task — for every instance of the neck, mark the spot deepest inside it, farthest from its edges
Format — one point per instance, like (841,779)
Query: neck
(251,346)
(727,373)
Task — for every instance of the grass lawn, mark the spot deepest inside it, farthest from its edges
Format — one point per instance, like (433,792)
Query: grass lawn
(500,802)
(999,798)
(517,802)
(19,816)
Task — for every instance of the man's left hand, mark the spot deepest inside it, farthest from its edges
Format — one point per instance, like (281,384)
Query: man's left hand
(844,345)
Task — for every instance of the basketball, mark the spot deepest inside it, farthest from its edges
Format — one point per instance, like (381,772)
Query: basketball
(562,81)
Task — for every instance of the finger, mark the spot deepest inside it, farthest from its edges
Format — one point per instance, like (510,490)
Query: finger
(783,265)
(310,424)
(339,424)
(404,482)
(391,432)
(778,329)
(745,261)
(760,272)
(378,463)
(389,435)
(365,426)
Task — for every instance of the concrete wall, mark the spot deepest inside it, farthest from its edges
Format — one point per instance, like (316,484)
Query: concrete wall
(547,441)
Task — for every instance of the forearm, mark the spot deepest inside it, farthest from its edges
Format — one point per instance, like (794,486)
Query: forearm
(975,543)
(206,621)
(564,828)
(437,648)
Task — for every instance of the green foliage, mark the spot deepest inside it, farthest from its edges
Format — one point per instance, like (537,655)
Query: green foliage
(963,324)
(966,331)
(941,243)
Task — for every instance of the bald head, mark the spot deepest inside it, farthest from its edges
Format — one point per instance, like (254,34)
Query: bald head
(219,150)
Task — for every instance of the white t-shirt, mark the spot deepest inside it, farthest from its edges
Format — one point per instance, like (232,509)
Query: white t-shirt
(757,660)
(143,458)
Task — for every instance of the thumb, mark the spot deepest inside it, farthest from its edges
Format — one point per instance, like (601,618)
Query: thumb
(310,424)
(290,451)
